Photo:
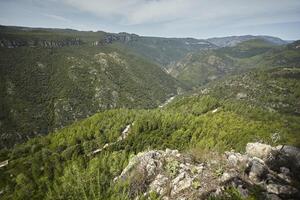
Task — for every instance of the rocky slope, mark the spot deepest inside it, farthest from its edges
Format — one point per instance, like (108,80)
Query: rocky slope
(262,172)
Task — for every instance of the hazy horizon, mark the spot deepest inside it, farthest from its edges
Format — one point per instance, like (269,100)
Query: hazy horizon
(159,18)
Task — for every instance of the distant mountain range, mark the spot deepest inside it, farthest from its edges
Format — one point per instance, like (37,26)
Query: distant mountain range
(234,40)
(198,68)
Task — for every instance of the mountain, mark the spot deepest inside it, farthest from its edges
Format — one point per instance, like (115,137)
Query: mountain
(199,68)
(162,51)
(96,115)
(50,78)
(92,158)
(276,90)
(234,40)
(165,51)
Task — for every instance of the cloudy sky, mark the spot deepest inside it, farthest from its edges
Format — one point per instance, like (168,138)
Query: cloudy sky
(168,18)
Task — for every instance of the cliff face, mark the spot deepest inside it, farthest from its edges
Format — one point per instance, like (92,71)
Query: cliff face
(14,43)
(109,38)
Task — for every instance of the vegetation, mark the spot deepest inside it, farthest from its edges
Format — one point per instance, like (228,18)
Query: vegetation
(199,68)
(60,166)
(43,89)
(275,89)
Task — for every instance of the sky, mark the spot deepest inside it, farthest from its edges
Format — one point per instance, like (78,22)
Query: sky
(166,18)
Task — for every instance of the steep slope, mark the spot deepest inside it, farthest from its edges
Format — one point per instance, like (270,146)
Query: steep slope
(47,81)
(165,51)
(83,159)
(197,69)
(274,89)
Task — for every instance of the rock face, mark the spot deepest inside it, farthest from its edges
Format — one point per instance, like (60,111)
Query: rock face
(259,150)
(40,43)
(173,175)
(119,37)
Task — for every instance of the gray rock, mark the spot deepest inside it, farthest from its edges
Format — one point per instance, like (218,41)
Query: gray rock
(273,197)
(258,170)
(244,192)
(281,189)
(180,183)
(241,95)
(284,170)
(227,176)
(159,185)
(233,159)
(262,151)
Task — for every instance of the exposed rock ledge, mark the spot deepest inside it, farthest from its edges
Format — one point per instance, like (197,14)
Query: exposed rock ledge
(273,172)
(8,43)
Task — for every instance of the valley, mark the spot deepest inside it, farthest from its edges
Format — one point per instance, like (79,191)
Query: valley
(97,115)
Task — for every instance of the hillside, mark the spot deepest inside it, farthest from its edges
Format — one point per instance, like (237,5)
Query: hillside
(275,89)
(197,69)
(50,78)
(235,40)
(166,51)
(96,115)
(162,51)
(84,159)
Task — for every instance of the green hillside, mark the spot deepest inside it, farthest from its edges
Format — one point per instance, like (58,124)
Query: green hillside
(62,165)
(47,81)
(274,89)
(197,69)
(166,51)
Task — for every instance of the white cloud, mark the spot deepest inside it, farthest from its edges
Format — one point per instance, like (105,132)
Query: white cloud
(198,18)
(134,12)
(57,17)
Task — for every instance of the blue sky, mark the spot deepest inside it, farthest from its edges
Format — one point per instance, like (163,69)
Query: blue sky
(168,18)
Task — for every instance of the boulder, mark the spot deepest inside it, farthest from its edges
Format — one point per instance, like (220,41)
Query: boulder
(284,190)
(159,185)
(262,151)
(227,176)
(181,182)
(258,170)
(148,161)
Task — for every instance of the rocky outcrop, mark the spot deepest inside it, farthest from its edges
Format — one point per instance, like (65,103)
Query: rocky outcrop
(109,38)
(10,43)
(173,175)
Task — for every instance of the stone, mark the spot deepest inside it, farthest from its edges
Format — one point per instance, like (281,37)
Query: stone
(281,189)
(178,178)
(285,177)
(182,184)
(258,170)
(232,160)
(276,183)
(226,177)
(262,151)
(168,151)
(159,184)
(241,95)
(244,192)
(284,170)
(291,152)
(148,161)
(273,197)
